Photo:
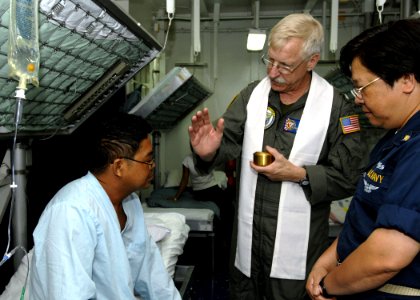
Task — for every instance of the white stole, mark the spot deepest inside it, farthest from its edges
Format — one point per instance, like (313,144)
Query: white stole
(293,223)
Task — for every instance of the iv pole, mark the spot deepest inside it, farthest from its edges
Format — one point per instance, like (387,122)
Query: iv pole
(20,230)
(23,60)
(18,184)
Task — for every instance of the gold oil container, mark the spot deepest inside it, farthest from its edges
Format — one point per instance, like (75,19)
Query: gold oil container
(262,159)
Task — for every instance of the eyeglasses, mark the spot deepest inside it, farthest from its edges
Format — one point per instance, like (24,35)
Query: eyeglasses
(357,92)
(150,163)
(281,67)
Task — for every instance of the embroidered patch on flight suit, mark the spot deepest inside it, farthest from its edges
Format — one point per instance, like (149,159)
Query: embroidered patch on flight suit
(350,124)
(291,125)
(270,117)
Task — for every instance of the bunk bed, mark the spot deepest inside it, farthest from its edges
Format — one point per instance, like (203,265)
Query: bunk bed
(200,215)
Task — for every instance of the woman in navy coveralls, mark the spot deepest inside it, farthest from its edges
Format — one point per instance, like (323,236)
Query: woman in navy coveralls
(376,256)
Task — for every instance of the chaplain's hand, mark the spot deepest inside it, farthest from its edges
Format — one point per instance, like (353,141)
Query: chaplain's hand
(280,169)
(204,138)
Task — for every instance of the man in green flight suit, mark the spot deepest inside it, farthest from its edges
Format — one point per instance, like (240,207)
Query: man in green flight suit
(313,134)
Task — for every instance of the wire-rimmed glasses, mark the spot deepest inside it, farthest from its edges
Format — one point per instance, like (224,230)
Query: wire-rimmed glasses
(281,67)
(150,163)
(357,92)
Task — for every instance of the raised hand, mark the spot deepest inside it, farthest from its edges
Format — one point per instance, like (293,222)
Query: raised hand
(205,139)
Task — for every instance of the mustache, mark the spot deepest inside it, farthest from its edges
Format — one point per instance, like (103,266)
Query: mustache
(279,80)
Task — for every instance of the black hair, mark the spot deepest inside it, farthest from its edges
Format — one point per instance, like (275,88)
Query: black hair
(120,136)
(389,50)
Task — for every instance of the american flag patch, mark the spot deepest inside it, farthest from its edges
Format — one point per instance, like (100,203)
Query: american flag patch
(350,124)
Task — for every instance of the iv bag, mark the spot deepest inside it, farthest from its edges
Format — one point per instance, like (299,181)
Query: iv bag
(23,56)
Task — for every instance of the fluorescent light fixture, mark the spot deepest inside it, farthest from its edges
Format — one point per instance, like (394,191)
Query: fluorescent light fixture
(256,40)
(174,97)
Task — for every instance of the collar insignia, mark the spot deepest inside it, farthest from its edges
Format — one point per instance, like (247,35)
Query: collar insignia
(406,138)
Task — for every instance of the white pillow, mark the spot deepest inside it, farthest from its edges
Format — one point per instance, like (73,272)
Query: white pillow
(158,231)
(173,178)
(172,246)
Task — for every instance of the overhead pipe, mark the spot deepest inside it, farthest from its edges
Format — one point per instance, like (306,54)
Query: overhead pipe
(265,17)
(257,14)
(368,9)
(405,8)
(334,26)
(156,152)
(324,25)
(195,30)
(216,20)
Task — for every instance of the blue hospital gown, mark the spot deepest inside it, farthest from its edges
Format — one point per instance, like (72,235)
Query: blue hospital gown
(80,251)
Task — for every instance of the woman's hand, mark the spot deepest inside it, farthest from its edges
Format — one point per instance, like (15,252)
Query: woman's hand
(313,286)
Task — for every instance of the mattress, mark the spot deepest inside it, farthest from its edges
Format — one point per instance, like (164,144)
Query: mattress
(159,198)
(198,219)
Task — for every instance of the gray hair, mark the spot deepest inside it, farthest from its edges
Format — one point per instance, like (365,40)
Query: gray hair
(302,26)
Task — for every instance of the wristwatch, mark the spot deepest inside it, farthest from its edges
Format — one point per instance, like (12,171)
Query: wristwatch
(325,294)
(304,182)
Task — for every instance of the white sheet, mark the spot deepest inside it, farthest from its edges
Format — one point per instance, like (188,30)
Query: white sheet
(198,219)
(14,287)
(171,246)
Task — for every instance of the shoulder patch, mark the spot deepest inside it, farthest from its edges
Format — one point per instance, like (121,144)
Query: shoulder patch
(350,124)
(291,125)
(270,117)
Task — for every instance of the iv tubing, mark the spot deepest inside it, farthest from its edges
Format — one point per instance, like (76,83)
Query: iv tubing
(20,95)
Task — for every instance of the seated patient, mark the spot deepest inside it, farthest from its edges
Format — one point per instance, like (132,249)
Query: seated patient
(205,186)
(91,241)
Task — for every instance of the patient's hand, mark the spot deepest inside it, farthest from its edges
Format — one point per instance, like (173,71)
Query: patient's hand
(172,198)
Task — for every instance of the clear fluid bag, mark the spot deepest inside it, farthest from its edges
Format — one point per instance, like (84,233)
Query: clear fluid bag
(23,55)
